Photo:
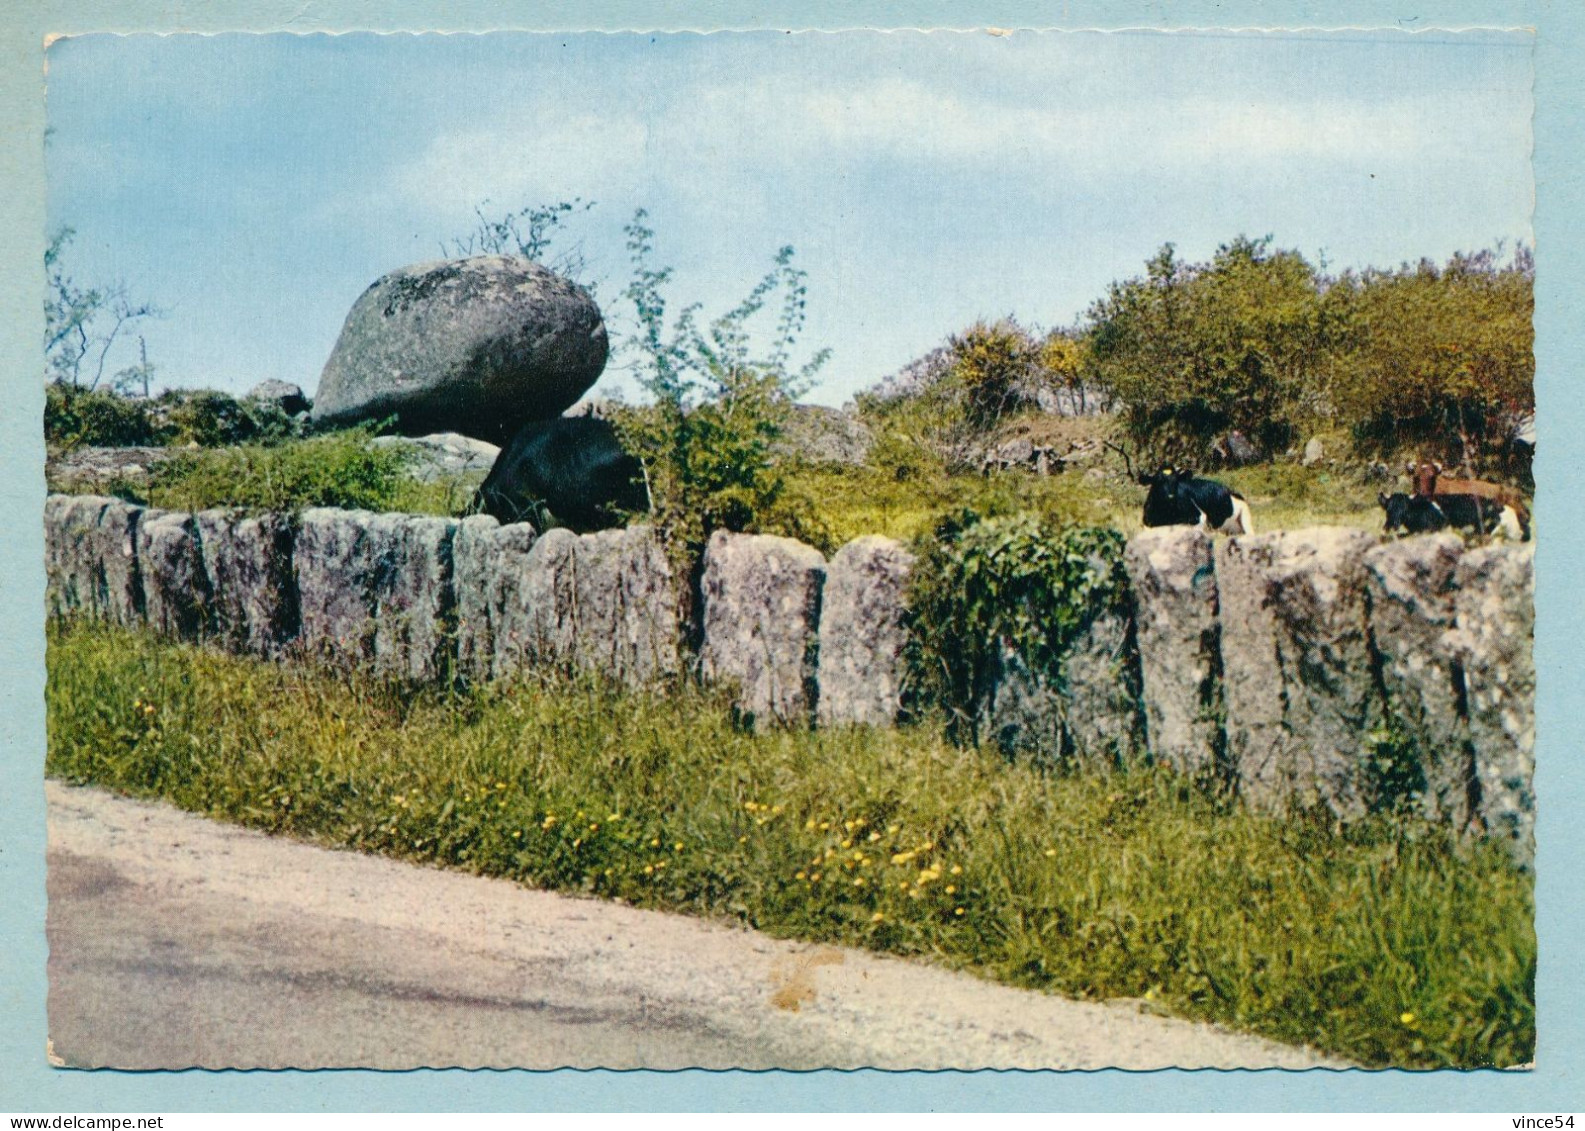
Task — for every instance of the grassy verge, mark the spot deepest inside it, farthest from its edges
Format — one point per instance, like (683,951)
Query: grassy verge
(858,501)
(1390,945)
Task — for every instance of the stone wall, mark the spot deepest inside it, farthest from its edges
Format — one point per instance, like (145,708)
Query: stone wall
(1292,667)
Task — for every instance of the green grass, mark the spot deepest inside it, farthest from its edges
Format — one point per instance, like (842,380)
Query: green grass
(1389,944)
(339,469)
(858,501)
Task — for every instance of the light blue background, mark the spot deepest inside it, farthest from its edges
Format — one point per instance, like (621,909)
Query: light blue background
(27,1084)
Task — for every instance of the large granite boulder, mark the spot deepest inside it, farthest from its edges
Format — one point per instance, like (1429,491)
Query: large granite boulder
(862,635)
(761,611)
(1173,578)
(573,467)
(1493,642)
(478,346)
(1410,586)
(602,603)
(247,562)
(374,591)
(1296,666)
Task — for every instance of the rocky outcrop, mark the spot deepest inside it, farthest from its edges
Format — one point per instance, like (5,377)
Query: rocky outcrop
(602,603)
(761,610)
(104,469)
(1492,643)
(862,635)
(477,346)
(374,591)
(1173,578)
(441,455)
(1409,584)
(1296,665)
(284,395)
(825,435)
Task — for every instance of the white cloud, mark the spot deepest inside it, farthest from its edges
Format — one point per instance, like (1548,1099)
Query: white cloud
(698,139)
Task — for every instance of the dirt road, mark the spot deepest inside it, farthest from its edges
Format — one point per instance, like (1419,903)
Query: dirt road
(177,942)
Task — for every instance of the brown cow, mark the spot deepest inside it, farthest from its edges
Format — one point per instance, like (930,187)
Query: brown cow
(1429,483)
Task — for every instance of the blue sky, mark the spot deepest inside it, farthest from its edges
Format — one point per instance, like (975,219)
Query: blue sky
(253,186)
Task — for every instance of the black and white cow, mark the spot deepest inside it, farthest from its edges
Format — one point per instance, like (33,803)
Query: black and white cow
(1177,498)
(1422,514)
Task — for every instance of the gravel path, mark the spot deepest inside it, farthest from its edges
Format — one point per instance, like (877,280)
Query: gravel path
(176,942)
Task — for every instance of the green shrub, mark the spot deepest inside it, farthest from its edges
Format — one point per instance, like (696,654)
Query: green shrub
(101,418)
(95,418)
(983,585)
(341,469)
(719,403)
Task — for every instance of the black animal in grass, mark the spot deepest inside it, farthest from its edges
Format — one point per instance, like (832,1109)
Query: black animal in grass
(1178,498)
(572,466)
(1424,514)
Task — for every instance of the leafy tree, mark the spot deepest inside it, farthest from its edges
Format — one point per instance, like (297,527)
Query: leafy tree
(717,403)
(1191,351)
(81,324)
(1441,357)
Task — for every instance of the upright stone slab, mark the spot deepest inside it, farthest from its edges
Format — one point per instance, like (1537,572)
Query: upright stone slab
(248,563)
(1409,583)
(1088,718)
(91,558)
(414,610)
(1493,641)
(473,577)
(1102,723)
(630,605)
(374,591)
(1296,665)
(73,554)
(334,563)
(176,595)
(761,598)
(862,635)
(604,603)
(1173,577)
